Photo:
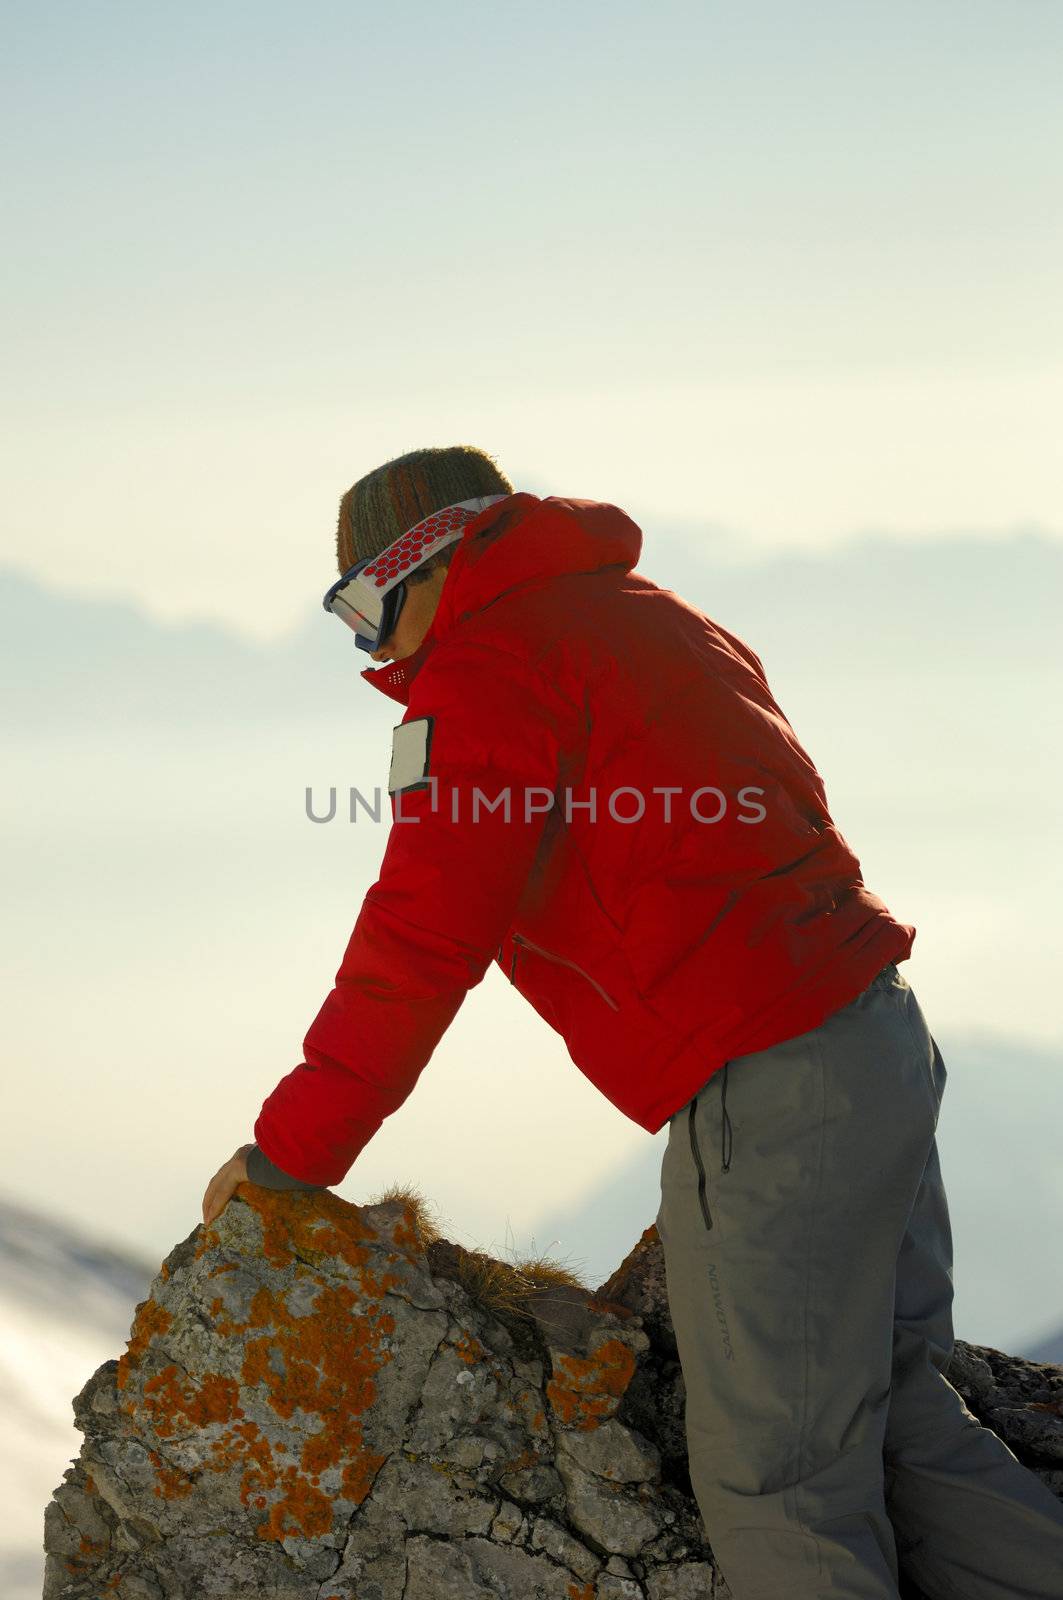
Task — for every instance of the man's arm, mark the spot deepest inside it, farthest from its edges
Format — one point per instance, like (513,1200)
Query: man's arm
(431,924)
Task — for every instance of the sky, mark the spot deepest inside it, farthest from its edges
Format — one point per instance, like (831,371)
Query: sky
(779,273)
(780,281)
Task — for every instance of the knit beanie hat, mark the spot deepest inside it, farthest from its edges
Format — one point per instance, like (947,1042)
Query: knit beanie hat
(405,490)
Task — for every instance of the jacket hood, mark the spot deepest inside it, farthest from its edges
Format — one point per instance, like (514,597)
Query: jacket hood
(521,539)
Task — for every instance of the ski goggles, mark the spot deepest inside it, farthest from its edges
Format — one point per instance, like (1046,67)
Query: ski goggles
(370,595)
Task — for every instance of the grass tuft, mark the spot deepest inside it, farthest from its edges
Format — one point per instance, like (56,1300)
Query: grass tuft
(507,1286)
(426,1221)
(500,1286)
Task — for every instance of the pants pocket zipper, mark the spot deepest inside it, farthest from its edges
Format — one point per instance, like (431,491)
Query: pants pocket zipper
(703,1199)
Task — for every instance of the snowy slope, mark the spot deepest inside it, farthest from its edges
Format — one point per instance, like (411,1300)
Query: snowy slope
(65,1306)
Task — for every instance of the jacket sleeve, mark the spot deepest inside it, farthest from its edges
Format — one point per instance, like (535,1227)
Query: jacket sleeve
(261,1170)
(452,874)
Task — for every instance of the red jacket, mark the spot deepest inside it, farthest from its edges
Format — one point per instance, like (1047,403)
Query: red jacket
(658,949)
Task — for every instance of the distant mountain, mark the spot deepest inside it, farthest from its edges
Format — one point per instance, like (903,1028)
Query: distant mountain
(1048,1350)
(80,661)
(875,605)
(883,603)
(66,1304)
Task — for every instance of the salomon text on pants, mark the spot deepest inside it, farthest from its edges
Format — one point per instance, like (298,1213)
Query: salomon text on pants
(809,1267)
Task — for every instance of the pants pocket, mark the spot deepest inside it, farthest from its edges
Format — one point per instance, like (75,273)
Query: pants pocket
(695,1148)
(697,1152)
(701,1157)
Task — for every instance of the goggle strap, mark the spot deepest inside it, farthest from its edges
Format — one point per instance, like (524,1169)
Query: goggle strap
(424,540)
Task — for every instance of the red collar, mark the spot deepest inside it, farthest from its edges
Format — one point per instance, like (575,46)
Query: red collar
(394,678)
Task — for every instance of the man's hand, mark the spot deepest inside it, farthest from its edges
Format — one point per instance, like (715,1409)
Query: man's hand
(222,1186)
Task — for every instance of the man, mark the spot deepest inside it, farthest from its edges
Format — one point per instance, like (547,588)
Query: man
(593,785)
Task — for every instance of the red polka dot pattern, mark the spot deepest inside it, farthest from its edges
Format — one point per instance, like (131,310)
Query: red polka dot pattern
(416,544)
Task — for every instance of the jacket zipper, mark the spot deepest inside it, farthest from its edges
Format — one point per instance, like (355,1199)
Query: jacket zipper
(702,1197)
(519,939)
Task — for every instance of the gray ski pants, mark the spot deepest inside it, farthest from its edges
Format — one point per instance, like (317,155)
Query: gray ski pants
(808,1256)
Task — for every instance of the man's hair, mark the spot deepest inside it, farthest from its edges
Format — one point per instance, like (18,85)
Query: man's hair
(393,497)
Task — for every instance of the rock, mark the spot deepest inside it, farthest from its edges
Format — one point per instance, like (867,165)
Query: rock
(613,1452)
(321,1401)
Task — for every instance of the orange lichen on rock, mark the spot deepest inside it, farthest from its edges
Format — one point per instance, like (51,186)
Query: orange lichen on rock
(321,1364)
(302,1509)
(310,1225)
(409,1234)
(583,1391)
(177,1404)
(581,1591)
(171,1484)
(246,1443)
(358,1475)
(302,1506)
(468,1348)
(328,1363)
(207,1237)
(150,1321)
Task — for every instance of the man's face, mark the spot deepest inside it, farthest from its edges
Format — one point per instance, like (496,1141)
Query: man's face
(415,618)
